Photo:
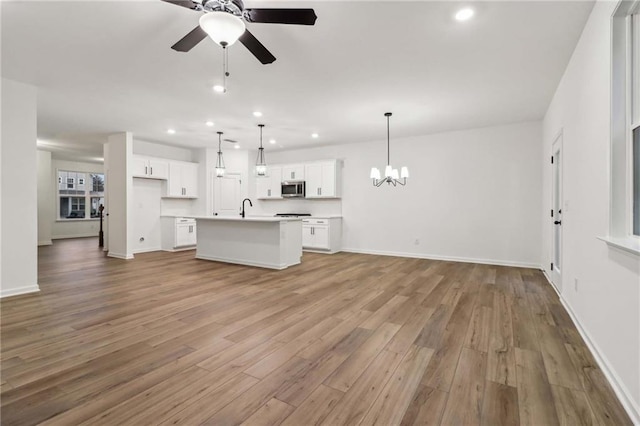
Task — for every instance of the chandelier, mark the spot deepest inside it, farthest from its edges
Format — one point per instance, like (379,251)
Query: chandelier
(220,159)
(261,164)
(391,175)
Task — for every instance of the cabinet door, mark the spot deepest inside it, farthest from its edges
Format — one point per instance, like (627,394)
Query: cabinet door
(328,186)
(263,187)
(182,235)
(313,172)
(191,232)
(321,237)
(275,182)
(174,186)
(158,169)
(307,236)
(190,180)
(140,167)
(293,172)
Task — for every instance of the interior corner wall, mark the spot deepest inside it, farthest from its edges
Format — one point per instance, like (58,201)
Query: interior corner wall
(46,208)
(600,285)
(473,195)
(19,217)
(119,188)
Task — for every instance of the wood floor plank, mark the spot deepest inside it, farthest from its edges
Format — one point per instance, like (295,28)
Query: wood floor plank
(315,408)
(500,405)
(535,401)
(391,404)
(572,407)
(464,405)
(270,414)
(426,407)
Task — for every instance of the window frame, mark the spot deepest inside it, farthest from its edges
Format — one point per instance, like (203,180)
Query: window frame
(88,194)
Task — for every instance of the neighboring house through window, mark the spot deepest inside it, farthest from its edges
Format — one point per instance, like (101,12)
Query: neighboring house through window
(78,197)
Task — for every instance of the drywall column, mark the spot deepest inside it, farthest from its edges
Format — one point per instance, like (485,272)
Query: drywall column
(46,190)
(119,189)
(19,190)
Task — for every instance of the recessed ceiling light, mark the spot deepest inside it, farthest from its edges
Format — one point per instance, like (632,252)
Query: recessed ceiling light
(464,14)
(272,141)
(236,146)
(257,114)
(209,123)
(171,131)
(315,135)
(218,89)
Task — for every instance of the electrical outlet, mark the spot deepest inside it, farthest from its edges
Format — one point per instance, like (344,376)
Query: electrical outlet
(417,242)
(575,284)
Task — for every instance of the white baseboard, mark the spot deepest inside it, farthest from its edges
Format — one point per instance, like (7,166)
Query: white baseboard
(120,256)
(447,258)
(147,250)
(81,235)
(612,377)
(19,290)
(45,243)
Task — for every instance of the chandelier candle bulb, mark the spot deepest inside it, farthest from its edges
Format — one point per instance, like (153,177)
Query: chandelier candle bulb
(404,173)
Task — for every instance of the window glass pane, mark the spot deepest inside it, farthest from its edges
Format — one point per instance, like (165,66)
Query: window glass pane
(636,181)
(95,204)
(635,71)
(97,183)
(72,207)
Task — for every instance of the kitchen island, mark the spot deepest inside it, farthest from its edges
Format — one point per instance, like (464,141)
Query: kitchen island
(266,242)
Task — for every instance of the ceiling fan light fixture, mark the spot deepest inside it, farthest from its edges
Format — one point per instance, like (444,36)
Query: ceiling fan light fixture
(222,27)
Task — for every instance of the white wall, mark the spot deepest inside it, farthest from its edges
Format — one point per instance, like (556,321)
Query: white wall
(46,197)
(19,217)
(607,301)
(473,195)
(70,228)
(152,149)
(119,190)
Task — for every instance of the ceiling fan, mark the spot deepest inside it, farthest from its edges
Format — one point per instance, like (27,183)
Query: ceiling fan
(224,21)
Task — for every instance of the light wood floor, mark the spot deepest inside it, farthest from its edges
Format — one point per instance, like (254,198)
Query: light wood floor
(342,339)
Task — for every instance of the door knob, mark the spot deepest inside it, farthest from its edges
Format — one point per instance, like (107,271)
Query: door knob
(557,222)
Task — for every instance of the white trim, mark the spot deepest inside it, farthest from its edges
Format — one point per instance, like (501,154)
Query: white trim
(245,262)
(516,264)
(45,243)
(20,290)
(629,245)
(120,256)
(147,250)
(621,391)
(68,236)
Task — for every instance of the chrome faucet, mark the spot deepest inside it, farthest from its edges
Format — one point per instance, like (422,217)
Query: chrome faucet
(250,203)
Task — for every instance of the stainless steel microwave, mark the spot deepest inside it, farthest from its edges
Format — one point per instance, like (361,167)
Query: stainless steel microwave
(293,188)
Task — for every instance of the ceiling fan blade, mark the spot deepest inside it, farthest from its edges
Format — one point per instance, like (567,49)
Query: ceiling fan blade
(281,16)
(257,48)
(185,3)
(189,41)
(229,140)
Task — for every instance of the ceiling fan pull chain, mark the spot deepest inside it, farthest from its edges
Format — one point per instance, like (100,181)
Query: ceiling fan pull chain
(225,67)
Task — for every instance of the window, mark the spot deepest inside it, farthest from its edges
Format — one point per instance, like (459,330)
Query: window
(80,194)
(624,229)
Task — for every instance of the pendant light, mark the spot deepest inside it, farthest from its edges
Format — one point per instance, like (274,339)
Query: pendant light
(261,164)
(220,160)
(391,175)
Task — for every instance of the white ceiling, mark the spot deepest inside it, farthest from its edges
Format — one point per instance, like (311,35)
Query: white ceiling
(103,67)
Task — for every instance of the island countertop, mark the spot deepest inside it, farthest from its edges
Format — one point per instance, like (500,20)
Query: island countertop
(249,218)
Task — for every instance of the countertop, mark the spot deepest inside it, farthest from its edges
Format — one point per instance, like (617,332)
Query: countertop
(249,218)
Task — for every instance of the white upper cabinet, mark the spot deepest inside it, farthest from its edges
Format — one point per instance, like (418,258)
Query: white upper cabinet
(293,172)
(150,168)
(183,180)
(269,186)
(322,179)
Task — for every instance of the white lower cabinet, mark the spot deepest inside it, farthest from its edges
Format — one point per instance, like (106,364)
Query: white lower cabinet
(178,233)
(322,234)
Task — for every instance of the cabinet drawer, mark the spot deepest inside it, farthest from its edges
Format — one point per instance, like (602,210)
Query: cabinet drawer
(315,221)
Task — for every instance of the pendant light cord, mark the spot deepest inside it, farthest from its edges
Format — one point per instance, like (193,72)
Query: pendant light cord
(388,149)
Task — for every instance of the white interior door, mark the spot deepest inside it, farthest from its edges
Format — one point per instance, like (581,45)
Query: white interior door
(227,194)
(557,264)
